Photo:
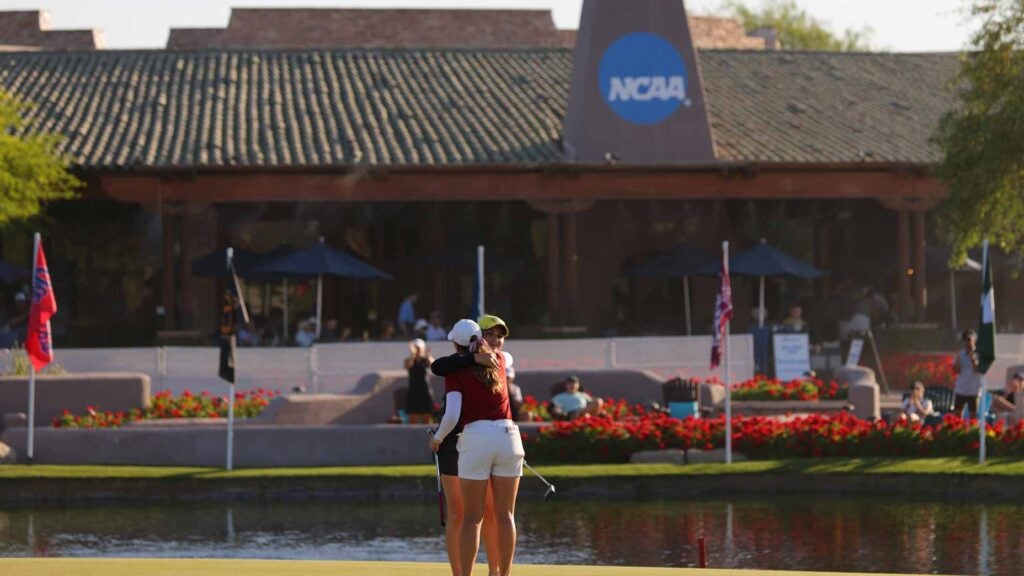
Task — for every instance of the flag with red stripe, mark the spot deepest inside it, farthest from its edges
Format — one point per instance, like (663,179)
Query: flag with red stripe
(723,314)
(38,341)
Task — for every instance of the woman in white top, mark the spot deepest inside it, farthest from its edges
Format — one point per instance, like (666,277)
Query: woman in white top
(916,407)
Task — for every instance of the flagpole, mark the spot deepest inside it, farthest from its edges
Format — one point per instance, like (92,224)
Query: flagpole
(728,373)
(30,448)
(231,385)
(981,397)
(231,410)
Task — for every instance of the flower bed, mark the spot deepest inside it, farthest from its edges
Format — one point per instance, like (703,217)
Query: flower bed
(164,405)
(758,437)
(807,389)
(931,369)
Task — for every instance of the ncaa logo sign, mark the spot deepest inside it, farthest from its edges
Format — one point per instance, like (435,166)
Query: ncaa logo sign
(643,78)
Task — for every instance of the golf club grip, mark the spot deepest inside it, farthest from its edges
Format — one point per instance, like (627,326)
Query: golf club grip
(440,507)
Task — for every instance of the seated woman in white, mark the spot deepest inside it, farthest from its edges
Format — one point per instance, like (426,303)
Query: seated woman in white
(916,407)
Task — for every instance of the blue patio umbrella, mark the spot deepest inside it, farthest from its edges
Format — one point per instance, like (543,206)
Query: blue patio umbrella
(682,261)
(211,265)
(763,260)
(318,260)
(9,273)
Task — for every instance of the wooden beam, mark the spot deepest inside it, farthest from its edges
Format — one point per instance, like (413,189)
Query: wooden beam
(526,184)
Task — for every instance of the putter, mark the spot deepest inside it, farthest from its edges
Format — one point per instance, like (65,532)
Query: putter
(440,491)
(551,487)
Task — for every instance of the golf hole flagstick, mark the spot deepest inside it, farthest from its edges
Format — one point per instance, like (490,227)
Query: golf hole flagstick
(440,491)
(551,487)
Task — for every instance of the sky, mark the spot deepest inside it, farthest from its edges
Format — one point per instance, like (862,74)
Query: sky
(898,25)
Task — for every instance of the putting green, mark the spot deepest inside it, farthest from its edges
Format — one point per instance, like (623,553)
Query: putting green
(193,567)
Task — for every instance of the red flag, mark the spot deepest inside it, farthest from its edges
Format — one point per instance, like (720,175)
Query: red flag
(723,314)
(38,343)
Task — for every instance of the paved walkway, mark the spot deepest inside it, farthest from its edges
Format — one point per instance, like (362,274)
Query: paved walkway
(198,567)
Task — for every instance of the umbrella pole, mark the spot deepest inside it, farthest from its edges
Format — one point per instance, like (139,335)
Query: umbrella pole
(686,304)
(760,310)
(319,302)
(284,329)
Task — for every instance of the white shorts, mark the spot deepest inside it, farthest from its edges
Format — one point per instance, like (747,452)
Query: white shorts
(490,448)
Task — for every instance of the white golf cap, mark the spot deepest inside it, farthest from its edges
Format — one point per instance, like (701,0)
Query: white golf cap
(421,324)
(465,332)
(418,343)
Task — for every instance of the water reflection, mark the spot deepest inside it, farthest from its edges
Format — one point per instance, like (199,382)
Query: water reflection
(795,533)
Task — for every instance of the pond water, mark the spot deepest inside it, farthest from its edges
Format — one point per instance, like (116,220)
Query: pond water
(793,533)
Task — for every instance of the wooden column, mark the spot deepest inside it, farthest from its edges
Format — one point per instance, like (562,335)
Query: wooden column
(903,249)
(554,265)
(920,278)
(572,269)
(169,230)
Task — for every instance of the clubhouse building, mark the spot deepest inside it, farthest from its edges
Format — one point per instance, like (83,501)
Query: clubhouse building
(408,137)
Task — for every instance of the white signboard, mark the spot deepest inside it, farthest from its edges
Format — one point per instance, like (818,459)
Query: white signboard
(856,346)
(792,355)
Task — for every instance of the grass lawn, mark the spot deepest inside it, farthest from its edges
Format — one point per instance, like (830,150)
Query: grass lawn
(809,466)
(194,567)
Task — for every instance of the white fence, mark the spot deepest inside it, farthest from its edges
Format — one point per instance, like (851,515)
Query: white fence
(338,368)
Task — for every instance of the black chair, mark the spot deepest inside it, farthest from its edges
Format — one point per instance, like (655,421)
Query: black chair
(680,390)
(941,397)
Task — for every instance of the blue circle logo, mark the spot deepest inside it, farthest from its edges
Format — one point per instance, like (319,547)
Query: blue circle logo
(643,78)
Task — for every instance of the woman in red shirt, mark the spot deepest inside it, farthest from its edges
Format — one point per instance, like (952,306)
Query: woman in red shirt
(490,447)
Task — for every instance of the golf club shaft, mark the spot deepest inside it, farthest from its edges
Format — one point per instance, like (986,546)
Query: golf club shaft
(535,473)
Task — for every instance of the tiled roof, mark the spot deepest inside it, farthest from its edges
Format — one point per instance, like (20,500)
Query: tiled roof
(259,108)
(827,106)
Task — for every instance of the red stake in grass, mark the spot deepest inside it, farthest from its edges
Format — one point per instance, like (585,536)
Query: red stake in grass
(702,551)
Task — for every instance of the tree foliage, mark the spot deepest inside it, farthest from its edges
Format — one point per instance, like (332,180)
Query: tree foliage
(32,171)
(796,29)
(982,140)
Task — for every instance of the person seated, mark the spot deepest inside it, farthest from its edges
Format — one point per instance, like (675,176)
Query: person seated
(247,335)
(330,332)
(306,336)
(573,403)
(795,321)
(915,406)
(1008,404)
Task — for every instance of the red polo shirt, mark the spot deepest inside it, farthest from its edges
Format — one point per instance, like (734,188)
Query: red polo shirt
(478,402)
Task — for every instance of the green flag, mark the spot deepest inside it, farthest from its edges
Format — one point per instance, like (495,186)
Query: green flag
(986,347)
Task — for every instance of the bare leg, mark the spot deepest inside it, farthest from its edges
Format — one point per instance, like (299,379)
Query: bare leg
(505,491)
(453,520)
(474,496)
(489,533)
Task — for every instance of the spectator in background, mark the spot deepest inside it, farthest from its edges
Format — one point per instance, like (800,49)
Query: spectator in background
(306,336)
(1008,404)
(247,335)
(420,328)
(795,321)
(969,381)
(916,407)
(407,315)
(329,333)
(436,331)
(419,400)
(387,330)
(573,402)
